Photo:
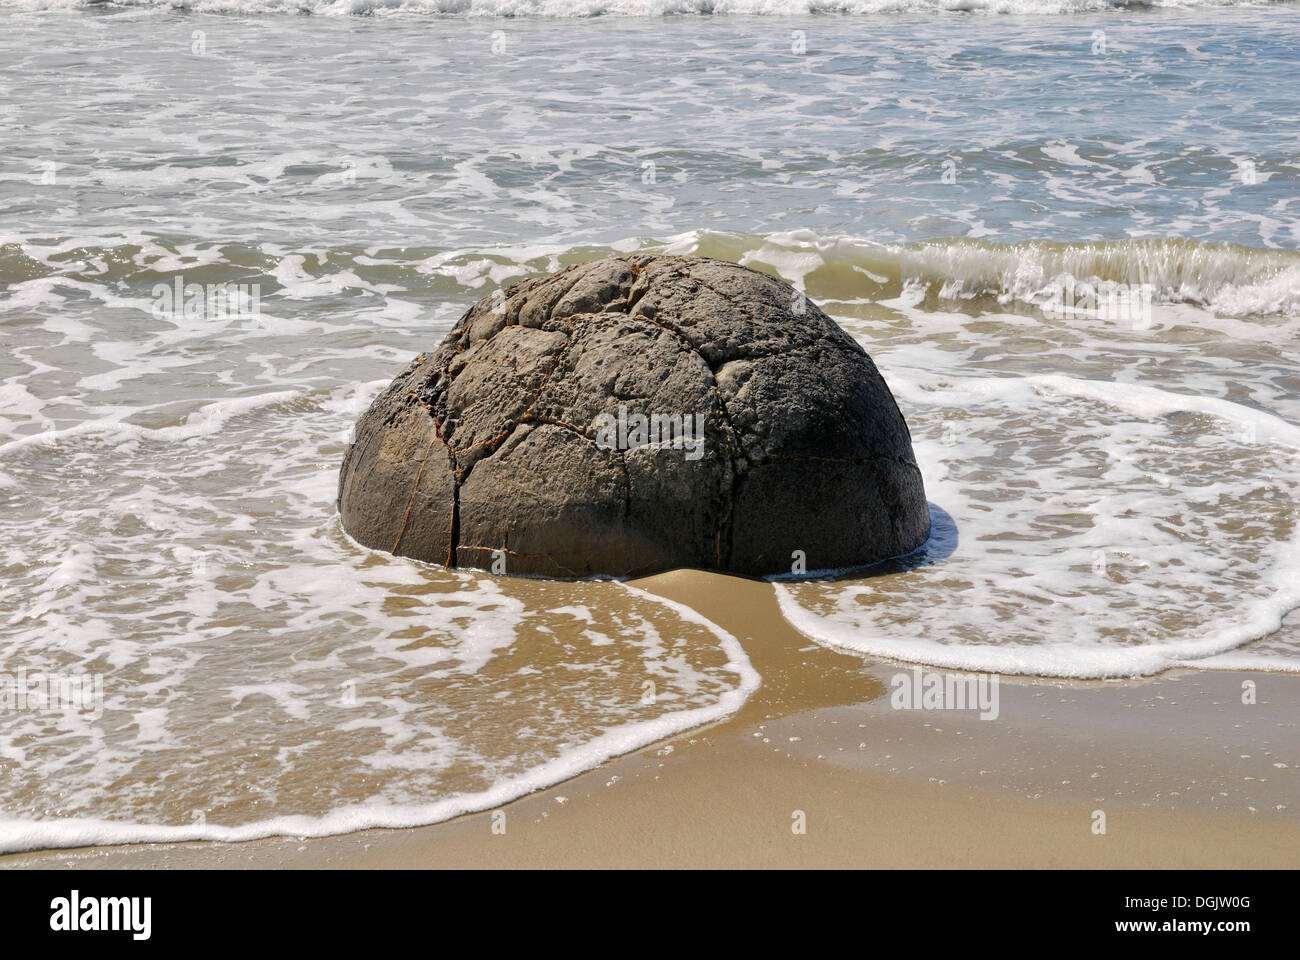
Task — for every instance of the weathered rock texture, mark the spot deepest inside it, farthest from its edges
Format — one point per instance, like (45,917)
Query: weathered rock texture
(490,442)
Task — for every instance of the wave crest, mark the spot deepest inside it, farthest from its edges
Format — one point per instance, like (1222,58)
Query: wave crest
(1228,279)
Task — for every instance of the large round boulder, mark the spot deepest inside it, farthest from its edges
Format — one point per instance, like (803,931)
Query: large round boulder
(636,414)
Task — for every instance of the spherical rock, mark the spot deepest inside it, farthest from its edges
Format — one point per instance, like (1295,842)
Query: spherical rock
(637,414)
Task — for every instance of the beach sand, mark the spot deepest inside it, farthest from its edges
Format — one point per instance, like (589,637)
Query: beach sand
(1185,773)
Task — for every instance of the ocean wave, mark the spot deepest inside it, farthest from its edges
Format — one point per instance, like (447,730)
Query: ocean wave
(1155,531)
(637,8)
(19,835)
(303,685)
(207,420)
(1227,279)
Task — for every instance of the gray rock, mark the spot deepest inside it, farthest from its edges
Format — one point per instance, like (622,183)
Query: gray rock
(504,439)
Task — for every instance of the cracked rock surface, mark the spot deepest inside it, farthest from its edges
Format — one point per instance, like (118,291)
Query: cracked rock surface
(493,442)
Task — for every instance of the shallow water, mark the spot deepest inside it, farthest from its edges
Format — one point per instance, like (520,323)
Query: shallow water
(1121,488)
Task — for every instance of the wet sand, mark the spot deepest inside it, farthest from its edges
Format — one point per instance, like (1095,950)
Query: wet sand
(1184,772)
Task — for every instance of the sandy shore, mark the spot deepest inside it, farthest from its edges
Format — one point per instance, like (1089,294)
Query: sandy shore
(1185,773)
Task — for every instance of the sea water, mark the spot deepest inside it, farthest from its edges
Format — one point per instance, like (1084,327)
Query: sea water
(962,185)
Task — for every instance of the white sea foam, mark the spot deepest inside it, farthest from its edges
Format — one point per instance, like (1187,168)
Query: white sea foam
(1247,660)
(18,834)
(205,421)
(1101,529)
